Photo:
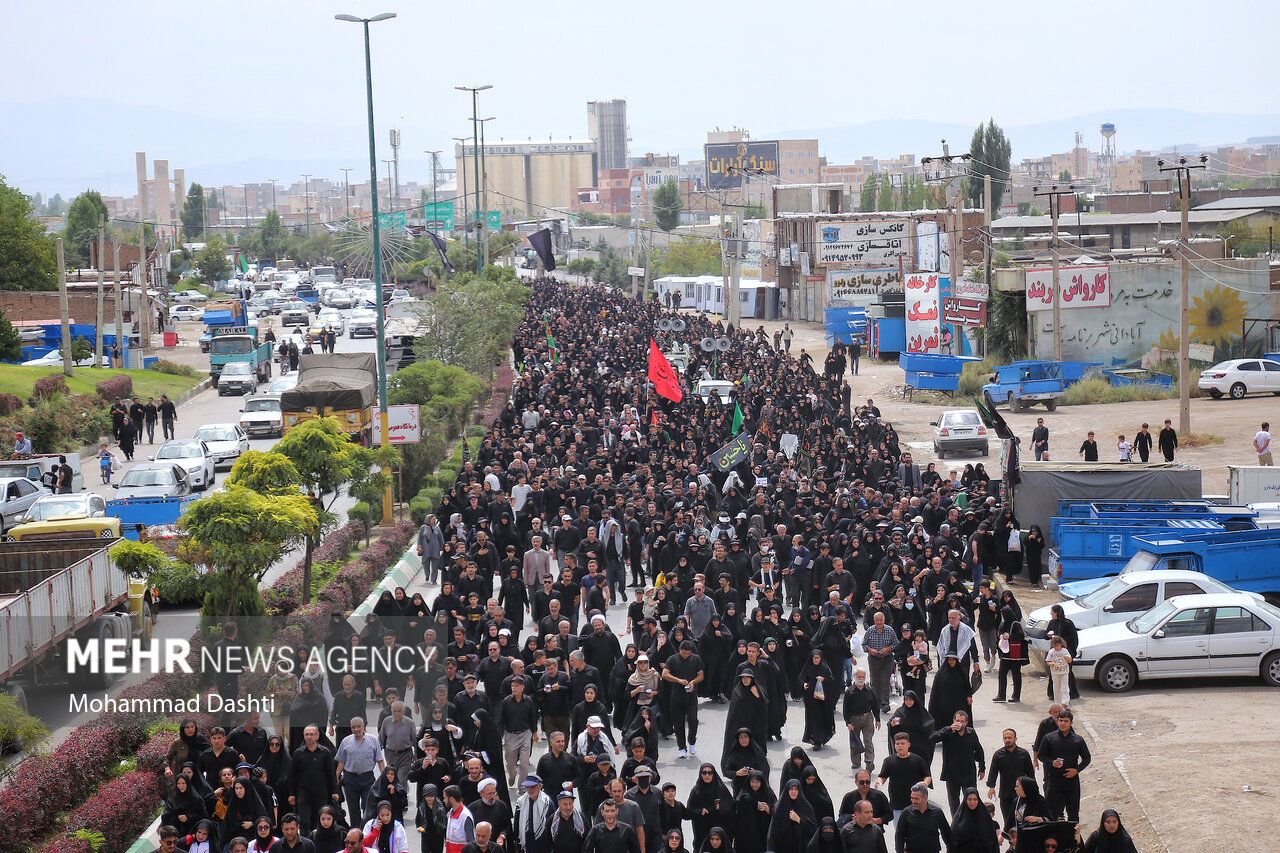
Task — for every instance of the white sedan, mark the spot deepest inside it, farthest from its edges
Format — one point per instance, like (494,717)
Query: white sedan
(186,312)
(193,456)
(189,297)
(53,358)
(1240,376)
(1188,636)
(225,442)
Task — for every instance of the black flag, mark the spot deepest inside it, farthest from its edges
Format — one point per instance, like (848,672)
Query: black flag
(440,247)
(541,242)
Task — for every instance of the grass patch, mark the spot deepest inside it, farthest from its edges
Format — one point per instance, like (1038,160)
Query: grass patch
(1087,392)
(973,376)
(19,380)
(1200,439)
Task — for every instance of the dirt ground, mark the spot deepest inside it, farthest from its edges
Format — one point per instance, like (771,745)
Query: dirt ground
(1166,750)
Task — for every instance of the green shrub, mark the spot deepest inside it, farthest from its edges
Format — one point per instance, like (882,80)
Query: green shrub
(92,419)
(49,386)
(48,425)
(1096,389)
(974,375)
(9,403)
(476,431)
(118,387)
(361,511)
(179,584)
(174,369)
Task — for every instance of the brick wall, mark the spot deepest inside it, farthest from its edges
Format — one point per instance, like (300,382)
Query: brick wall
(29,306)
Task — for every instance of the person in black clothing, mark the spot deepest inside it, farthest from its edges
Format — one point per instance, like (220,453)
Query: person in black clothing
(315,779)
(902,770)
(923,828)
(960,750)
(1142,443)
(1089,449)
(137,414)
(881,811)
(249,739)
(1007,764)
(1060,626)
(149,414)
(684,671)
(168,416)
(1168,440)
(1040,439)
(611,836)
(1064,754)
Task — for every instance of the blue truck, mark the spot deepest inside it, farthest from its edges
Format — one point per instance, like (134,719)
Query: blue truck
(1025,383)
(238,343)
(225,314)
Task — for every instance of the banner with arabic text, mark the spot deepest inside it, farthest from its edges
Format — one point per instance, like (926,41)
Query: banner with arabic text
(922,292)
(1082,287)
(732,454)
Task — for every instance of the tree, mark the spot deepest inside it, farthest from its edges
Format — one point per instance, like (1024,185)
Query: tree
(867,200)
(268,473)
(211,262)
(1065,175)
(667,204)
(272,234)
(27,257)
(194,217)
(10,340)
(81,232)
(55,205)
(989,153)
(692,256)
(470,319)
(885,201)
(370,482)
(240,534)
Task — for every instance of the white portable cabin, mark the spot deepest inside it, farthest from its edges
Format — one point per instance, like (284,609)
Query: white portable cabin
(683,285)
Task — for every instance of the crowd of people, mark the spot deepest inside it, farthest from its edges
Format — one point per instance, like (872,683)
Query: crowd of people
(597,584)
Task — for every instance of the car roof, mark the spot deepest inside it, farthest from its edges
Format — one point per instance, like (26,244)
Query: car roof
(218,426)
(150,466)
(1212,599)
(959,411)
(79,496)
(1163,574)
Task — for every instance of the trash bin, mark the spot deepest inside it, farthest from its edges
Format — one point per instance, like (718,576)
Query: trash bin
(171,339)
(147,362)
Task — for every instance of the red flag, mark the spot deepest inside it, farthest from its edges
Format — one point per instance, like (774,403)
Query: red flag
(662,376)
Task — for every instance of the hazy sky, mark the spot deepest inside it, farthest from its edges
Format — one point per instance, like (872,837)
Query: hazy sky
(684,67)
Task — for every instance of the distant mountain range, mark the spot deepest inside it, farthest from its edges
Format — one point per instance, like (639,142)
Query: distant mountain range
(68,145)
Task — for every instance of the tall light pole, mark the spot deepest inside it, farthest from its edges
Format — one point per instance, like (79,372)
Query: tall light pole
(434,196)
(306,200)
(466,216)
(377,254)
(346,192)
(475,156)
(484,184)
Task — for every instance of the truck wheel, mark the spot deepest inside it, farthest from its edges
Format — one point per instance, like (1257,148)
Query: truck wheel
(1117,675)
(1271,669)
(147,629)
(1238,391)
(1051,405)
(101,680)
(1013,403)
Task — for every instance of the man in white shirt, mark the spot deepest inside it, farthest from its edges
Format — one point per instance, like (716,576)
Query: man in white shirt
(1262,444)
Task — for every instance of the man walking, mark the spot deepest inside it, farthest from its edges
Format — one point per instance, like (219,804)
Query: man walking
(1262,444)
(149,413)
(684,671)
(862,717)
(518,720)
(1089,448)
(1040,439)
(430,547)
(1063,753)
(1168,440)
(358,755)
(855,355)
(923,828)
(168,415)
(1142,443)
(879,641)
(1007,764)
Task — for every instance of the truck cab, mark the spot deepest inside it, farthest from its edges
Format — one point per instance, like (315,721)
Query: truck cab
(238,343)
(1025,383)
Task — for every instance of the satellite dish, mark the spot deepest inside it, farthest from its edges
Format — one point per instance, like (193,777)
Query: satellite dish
(677,325)
(708,344)
(664,324)
(722,344)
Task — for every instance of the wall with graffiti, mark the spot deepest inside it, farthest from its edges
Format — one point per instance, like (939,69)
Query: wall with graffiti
(1144,310)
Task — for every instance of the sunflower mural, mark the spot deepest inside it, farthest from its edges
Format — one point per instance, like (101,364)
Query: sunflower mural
(1215,317)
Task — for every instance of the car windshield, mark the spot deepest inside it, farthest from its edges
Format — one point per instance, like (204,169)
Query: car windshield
(1102,594)
(1140,562)
(216,434)
(148,477)
(237,368)
(283,384)
(179,451)
(1153,617)
(45,510)
(262,406)
(364,314)
(962,419)
(232,345)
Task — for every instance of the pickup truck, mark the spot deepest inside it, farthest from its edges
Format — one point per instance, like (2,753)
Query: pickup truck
(52,591)
(239,343)
(1025,383)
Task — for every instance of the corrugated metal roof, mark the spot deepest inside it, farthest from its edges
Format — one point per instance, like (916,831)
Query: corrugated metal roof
(1105,220)
(1241,203)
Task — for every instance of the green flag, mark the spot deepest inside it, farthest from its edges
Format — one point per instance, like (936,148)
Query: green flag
(737,419)
(242,263)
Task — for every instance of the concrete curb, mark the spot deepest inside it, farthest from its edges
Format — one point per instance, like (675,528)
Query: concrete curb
(147,842)
(399,575)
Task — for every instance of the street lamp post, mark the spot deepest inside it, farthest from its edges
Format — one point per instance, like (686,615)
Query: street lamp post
(346,193)
(484,183)
(475,156)
(435,201)
(466,216)
(377,253)
(306,200)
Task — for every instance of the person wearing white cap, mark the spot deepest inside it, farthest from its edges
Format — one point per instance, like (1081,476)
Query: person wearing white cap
(532,816)
(593,741)
(490,808)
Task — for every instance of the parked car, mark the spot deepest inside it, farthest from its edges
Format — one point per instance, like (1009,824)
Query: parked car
(188,297)
(53,358)
(959,429)
(17,494)
(193,456)
(66,516)
(1241,376)
(186,312)
(364,321)
(1022,384)
(237,376)
(1188,636)
(337,297)
(1123,597)
(262,416)
(225,442)
(154,480)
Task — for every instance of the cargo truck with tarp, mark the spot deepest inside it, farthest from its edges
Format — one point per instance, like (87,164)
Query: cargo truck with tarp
(335,385)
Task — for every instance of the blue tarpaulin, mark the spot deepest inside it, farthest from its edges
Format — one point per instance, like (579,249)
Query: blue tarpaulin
(842,324)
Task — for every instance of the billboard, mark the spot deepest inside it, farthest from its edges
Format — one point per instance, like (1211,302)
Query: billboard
(933,247)
(751,235)
(922,293)
(862,287)
(964,311)
(870,242)
(1082,287)
(403,425)
(726,160)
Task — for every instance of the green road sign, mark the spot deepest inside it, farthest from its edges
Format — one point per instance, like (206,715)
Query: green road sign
(391,220)
(494,218)
(439,215)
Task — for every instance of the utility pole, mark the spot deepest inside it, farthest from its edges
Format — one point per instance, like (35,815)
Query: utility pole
(435,199)
(64,310)
(732,301)
(273,194)
(475,156)
(142,308)
(346,192)
(306,200)
(395,160)
(1183,168)
(1055,207)
(945,176)
(102,262)
(391,203)
(987,213)
(484,184)
(466,214)
(115,277)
